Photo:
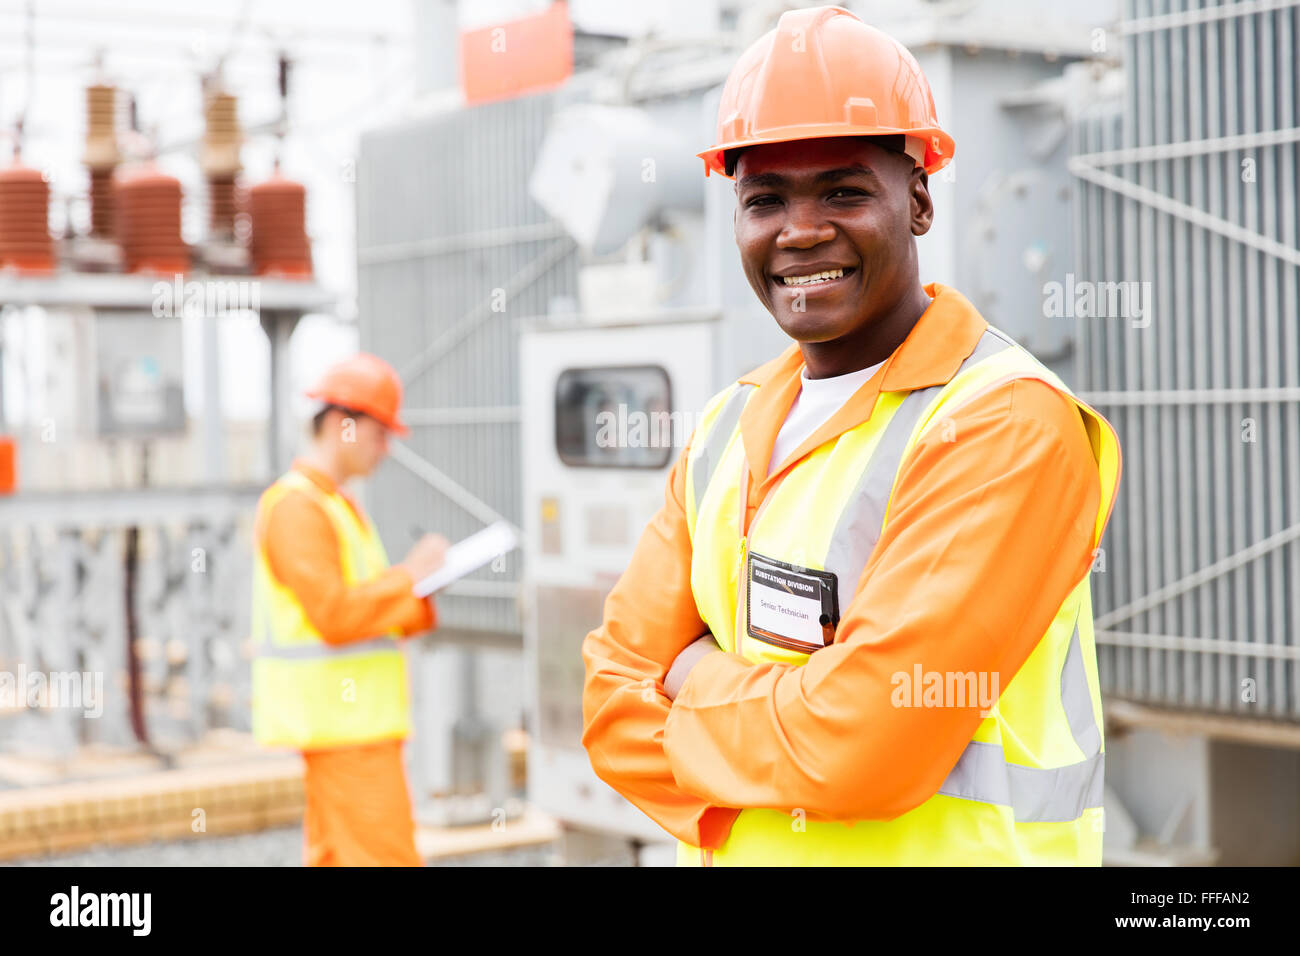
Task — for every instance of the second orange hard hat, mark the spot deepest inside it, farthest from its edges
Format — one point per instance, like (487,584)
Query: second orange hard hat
(364,383)
(823,72)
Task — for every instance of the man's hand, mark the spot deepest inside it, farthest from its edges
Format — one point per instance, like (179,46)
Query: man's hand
(688,658)
(425,557)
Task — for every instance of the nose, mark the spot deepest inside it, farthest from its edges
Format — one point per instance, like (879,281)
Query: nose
(804,227)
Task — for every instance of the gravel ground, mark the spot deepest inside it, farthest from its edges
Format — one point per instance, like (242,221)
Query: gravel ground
(281,846)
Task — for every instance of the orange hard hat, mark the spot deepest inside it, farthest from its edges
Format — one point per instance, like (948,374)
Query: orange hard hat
(364,383)
(823,72)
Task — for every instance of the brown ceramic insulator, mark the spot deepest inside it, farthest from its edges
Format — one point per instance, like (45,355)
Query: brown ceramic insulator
(219,156)
(101,128)
(148,220)
(222,207)
(278,242)
(101,156)
(25,243)
(101,203)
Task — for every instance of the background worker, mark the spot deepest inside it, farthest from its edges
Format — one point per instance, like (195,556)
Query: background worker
(868,534)
(330,676)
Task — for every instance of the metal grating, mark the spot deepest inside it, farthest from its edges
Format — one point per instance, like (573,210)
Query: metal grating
(451,253)
(1190,184)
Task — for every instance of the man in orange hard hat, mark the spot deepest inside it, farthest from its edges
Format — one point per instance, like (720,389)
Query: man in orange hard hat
(329,678)
(860,629)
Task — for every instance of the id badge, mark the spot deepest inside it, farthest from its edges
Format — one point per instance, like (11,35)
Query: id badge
(791,607)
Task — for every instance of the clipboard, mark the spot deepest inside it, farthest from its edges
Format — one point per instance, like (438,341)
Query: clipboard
(470,554)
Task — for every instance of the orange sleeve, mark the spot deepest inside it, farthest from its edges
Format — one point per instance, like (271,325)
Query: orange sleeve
(988,534)
(303,553)
(650,615)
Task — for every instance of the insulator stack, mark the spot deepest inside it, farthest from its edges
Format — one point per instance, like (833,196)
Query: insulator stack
(149,222)
(220,162)
(101,203)
(222,206)
(101,156)
(279,243)
(25,243)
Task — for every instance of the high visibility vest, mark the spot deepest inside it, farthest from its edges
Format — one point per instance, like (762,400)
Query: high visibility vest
(1027,789)
(309,694)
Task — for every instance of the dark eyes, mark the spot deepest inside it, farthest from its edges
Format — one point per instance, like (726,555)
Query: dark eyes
(841,192)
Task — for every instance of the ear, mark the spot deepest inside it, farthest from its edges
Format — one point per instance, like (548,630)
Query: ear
(922,205)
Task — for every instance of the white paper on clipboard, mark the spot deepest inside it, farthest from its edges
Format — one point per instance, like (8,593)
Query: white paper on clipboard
(470,554)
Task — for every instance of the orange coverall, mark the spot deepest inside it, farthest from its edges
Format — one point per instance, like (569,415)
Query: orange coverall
(358,806)
(987,535)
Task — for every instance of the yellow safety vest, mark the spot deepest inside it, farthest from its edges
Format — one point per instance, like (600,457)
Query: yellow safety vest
(309,694)
(1028,787)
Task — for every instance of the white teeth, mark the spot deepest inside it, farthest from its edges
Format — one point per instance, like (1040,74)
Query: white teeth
(815,277)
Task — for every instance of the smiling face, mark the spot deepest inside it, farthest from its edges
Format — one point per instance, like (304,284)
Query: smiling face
(825,230)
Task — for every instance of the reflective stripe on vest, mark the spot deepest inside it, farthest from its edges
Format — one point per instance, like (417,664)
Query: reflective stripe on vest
(1059,795)
(1054,772)
(719,423)
(860,524)
(308,693)
(719,436)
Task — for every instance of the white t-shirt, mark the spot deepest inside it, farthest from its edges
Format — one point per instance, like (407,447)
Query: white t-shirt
(818,400)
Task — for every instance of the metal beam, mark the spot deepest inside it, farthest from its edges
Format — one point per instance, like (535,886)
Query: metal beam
(116,291)
(1197,578)
(1227,11)
(1192,396)
(440,245)
(465,415)
(422,468)
(1189,148)
(110,508)
(522,279)
(1126,713)
(1203,645)
(1180,210)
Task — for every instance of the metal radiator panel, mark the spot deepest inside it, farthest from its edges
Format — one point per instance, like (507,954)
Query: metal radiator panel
(451,251)
(1199,603)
